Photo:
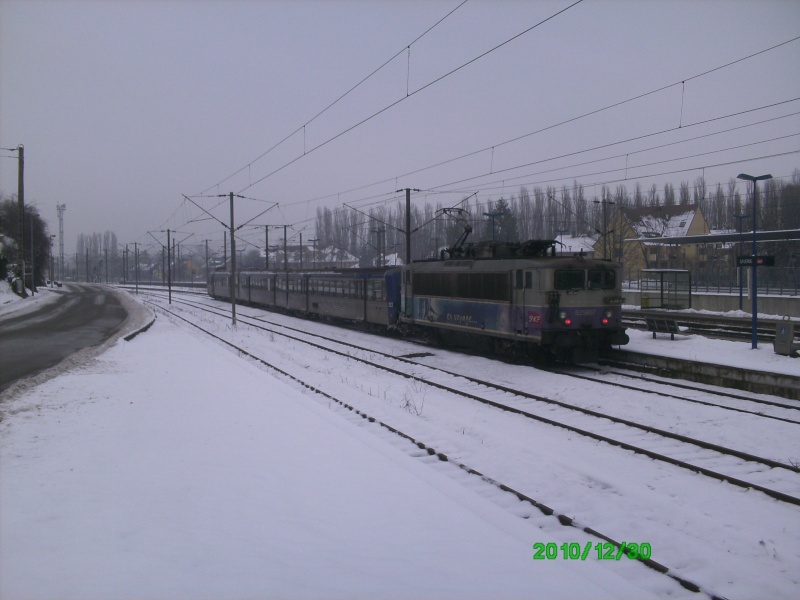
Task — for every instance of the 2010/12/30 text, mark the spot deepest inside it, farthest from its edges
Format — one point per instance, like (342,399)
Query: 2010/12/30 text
(602,551)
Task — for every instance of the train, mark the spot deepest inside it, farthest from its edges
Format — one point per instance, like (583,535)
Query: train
(509,298)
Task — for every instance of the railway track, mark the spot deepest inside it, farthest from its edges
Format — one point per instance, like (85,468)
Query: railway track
(426,450)
(731,465)
(756,404)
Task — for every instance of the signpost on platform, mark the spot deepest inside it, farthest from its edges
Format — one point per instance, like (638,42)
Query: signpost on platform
(759,261)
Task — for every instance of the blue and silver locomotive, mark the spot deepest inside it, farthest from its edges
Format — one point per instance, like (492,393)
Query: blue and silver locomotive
(518,298)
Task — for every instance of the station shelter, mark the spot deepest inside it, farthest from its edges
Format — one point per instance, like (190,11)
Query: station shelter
(666,288)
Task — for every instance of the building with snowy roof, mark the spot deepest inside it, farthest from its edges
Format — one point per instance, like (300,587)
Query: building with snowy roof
(621,242)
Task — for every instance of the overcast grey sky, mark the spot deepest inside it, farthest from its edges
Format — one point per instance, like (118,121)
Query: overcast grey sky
(124,106)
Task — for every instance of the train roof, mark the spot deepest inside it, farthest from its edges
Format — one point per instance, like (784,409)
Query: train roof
(506,264)
(329,272)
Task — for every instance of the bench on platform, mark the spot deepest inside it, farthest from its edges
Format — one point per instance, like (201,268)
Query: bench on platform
(669,326)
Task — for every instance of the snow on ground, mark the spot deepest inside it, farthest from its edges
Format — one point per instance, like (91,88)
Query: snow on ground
(739,354)
(168,467)
(734,353)
(11,303)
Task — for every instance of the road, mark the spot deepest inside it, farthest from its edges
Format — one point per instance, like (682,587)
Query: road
(82,317)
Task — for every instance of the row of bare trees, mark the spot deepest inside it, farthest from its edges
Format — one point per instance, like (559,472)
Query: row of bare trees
(545,213)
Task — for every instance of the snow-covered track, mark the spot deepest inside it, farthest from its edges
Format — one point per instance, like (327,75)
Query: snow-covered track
(726,464)
(671,384)
(430,451)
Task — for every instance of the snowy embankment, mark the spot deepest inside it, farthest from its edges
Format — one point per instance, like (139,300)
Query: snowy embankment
(169,468)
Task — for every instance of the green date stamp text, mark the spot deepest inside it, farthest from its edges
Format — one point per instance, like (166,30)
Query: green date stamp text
(599,550)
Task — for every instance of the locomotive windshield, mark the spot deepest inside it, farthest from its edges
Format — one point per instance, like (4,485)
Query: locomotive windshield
(577,279)
(602,279)
(569,279)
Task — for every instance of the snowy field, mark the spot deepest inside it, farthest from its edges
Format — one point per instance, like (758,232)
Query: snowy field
(169,467)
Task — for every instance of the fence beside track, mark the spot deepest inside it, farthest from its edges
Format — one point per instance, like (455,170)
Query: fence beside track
(732,327)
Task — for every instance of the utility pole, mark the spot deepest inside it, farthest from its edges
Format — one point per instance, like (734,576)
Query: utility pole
(754,267)
(52,265)
(169,269)
(20,150)
(33,264)
(314,253)
(301,250)
(266,247)
(379,237)
(207,273)
(493,215)
(88,278)
(21,204)
(60,208)
(285,253)
(408,222)
(233,258)
(136,259)
(605,203)
(233,267)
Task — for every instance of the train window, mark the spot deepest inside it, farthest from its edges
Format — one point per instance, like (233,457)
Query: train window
(518,283)
(569,279)
(602,279)
(478,286)
(528,280)
(377,291)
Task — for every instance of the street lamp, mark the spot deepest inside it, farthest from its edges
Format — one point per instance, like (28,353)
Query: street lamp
(739,267)
(754,266)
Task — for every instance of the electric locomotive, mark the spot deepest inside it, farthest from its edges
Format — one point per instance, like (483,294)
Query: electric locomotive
(517,298)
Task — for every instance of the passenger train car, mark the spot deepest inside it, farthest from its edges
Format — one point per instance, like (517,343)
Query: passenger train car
(515,298)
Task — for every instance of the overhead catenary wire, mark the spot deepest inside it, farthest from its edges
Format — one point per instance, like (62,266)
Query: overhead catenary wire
(602,146)
(334,103)
(682,82)
(619,142)
(406,97)
(587,114)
